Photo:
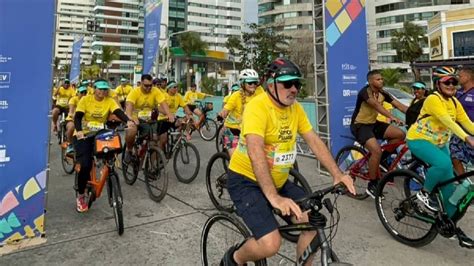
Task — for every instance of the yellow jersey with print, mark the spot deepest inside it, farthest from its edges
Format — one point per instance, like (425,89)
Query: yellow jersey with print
(429,125)
(278,127)
(63,95)
(73,101)
(236,105)
(174,102)
(144,103)
(122,92)
(95,112)
(191,97)
(364,113)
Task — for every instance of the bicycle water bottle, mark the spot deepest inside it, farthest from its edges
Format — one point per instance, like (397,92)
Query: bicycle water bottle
(460,192)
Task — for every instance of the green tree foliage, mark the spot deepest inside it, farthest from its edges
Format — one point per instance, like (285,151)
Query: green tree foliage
(109,54)
(191,42)
(208,85)
(408,44)
(90,72)
(391,76)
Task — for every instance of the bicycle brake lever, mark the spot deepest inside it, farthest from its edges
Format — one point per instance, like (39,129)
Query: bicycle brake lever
(328,204)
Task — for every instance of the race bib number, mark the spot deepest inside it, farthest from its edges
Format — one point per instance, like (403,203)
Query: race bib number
(285,158)
(62,101)
(95,126)
(144,115)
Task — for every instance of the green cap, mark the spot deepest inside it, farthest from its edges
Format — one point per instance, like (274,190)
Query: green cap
(235,87)
(171,84)
(287,77)
(247,80)
(102,85)
(82,89)
(123,80)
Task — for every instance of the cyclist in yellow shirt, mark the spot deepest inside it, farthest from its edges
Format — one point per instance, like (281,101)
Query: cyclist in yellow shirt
(235,87)
(122,91)
(259,168)
(62,95)
(81,91)
(139,107)
(190,98)
(91,115)
(234,108)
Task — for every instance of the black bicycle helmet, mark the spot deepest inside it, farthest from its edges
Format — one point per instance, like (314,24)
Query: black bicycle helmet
(281,67)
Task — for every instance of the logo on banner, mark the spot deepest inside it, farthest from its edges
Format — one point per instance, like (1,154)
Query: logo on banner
(3,154)
(3,105)
(343,17)
(5,77)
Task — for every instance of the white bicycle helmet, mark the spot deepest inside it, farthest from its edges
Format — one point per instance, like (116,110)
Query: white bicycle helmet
(248,74)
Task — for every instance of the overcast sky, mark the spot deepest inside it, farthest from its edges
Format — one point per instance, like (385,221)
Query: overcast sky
(251,10)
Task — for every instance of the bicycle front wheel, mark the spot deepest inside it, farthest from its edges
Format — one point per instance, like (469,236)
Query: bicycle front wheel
(115,198)
(352,159)
(156,177)
(216,181)
(220,232)
(208,130)
(401,213)
(67,161)
(186,162)
(130,170)
(220,138)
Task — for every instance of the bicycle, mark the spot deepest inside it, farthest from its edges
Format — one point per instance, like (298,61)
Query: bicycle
(107,144)
(224,225)
(354,159)
(154,169)
(185,165)
(220,135)
(216,184)
(67,160)
(405,209)
(207,128)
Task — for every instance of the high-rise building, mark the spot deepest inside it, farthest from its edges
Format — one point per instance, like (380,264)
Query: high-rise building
(386,17)
(72,16)
(121,26)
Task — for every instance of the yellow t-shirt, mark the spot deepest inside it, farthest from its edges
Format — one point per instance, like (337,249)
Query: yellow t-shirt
(90,90)
(235,105)
(63,96)
(431,128)
(122,92)
(190,97)
(381,117)
(278,127)
(55,89)
(95,112)
(74,100)
(143,104)
(174,102)
(226,98)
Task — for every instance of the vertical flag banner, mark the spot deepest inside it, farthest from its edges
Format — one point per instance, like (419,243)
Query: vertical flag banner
(347,64)
(24,143)
(152,33)
(76,59)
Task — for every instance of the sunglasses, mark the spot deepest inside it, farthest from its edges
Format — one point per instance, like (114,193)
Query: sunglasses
(251,83)
(450,82)
(290,83)
(147,85)
(83,92)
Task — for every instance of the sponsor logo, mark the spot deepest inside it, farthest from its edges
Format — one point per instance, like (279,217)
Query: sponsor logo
(5,77)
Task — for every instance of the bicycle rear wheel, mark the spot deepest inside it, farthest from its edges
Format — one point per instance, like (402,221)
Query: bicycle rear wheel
(300,181)
(130,170)
(401,213)
(349,159)
(216,181)
(115,198)
(220,232)
(67,161)
(186,162)
(208,130)
(156,178)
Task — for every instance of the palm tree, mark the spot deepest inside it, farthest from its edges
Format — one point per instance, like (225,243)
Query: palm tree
(109,54)
(391,76)
(91,72)
(191,42)
(408,44)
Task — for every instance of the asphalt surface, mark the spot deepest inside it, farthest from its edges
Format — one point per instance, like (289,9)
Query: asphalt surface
(168,233)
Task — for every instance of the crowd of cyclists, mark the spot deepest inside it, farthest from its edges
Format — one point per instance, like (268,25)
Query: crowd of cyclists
(262,119)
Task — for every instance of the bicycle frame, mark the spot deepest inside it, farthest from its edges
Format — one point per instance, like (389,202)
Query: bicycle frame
(98,185)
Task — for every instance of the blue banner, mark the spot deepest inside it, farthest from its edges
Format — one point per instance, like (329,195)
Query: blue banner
(76,59)
(24,141)
(347,64)
(152,33)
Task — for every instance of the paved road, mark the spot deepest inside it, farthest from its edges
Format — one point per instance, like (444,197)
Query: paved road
(168,233)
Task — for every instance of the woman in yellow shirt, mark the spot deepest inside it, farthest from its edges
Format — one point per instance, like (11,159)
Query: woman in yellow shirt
(428,138)
(81,91)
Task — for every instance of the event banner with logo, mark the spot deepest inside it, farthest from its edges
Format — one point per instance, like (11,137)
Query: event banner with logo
(152,33)
(347,64)
(76,59)
(25,89)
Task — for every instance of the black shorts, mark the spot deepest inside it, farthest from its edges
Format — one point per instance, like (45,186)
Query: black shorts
(364,132)
(164,126)
(62,109)
(252,205)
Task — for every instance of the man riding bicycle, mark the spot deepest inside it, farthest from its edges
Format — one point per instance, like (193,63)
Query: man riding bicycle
(139,107)
(259,168)
(91,114)
(62,96)
(81,91)
(428,139)
(190,98)
(367,130)
(234,108)
(122,91)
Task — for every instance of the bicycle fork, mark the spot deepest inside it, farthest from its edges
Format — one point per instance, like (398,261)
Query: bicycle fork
(319,221)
